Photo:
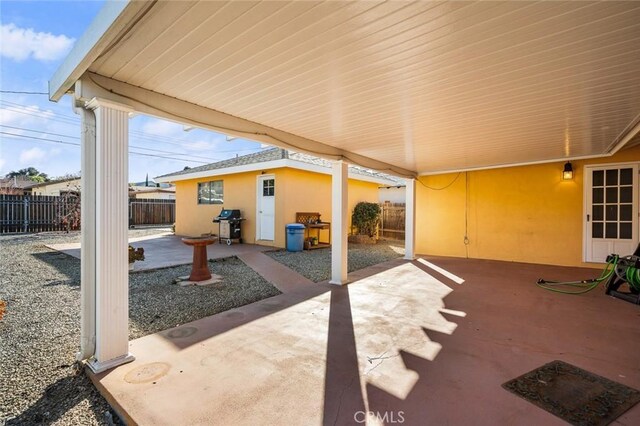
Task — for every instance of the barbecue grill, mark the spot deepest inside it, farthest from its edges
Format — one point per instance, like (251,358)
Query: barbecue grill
(229,226)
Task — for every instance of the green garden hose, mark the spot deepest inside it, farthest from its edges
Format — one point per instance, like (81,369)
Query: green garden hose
(633,277)
(585,285)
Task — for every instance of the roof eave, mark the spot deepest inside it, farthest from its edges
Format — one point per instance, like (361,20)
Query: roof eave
(266,165)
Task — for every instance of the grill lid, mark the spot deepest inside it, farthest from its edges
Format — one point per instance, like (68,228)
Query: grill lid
(228,214)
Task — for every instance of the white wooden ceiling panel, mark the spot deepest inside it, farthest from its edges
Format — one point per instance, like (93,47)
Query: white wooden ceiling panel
(428,86)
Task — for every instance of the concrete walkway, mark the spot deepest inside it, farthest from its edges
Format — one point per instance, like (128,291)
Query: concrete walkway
(423,342)
(166,250)
(283,278)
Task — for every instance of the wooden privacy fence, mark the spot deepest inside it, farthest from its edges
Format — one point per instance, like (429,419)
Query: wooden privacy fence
(392,220)
(151,212)
(41,213)
(37,213)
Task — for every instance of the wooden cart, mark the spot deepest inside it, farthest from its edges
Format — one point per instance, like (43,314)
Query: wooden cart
(313,227)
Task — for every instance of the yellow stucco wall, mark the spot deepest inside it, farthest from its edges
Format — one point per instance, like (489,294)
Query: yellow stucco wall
(522,214)
(193,219)
(296,191)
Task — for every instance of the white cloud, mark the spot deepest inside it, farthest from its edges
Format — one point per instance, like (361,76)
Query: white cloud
(20,44)
(32,156)
(199,145)
(162,128)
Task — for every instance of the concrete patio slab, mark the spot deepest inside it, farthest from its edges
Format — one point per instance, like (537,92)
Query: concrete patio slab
(406,342)
(166,250)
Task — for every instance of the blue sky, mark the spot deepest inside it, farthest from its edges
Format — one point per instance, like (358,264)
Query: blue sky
(35,38)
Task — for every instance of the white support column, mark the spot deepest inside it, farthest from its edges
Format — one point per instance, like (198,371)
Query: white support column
(111,174)
(339,220)
(410,220)
(88,244)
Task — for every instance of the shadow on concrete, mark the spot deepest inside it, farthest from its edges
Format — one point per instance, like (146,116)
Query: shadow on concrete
(342,390)
(344,398)
(197,331)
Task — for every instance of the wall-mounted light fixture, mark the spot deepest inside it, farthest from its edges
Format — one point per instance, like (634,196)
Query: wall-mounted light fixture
(567,173)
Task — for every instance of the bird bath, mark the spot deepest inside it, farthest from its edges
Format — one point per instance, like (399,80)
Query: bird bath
(200,269)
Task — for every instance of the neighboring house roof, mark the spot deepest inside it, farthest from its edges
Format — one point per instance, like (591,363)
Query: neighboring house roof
(151,184)
(53,182)
(144,190)
(17,183)
(276,157)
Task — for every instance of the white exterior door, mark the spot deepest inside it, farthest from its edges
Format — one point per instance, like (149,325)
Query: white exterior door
(266,192)
(611,204)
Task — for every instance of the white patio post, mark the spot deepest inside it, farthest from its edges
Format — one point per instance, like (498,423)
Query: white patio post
(108,264)
(339,231)
(88,243)
(410,220)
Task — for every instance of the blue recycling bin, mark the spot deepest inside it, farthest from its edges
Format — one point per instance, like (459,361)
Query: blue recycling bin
(295,236)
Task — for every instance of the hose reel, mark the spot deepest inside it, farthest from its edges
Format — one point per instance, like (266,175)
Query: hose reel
(622,276)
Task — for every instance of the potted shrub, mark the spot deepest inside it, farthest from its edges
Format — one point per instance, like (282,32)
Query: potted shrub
(135,254)
(365,218)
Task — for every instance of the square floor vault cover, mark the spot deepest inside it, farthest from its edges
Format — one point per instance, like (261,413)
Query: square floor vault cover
(574,395)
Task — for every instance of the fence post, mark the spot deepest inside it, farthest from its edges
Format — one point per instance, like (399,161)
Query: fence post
(25,216)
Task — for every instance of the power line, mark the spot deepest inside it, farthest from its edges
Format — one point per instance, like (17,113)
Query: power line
(39,131)
(77,144)
(39,139)
(66,119)
(131,146)
(17,92)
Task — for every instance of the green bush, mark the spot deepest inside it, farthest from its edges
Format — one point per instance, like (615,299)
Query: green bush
(366,217)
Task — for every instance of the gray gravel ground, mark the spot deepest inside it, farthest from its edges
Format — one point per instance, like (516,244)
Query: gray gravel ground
(156,304)
(39,335)
(316,264)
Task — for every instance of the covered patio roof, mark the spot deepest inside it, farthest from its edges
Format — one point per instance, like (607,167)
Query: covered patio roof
(406,88)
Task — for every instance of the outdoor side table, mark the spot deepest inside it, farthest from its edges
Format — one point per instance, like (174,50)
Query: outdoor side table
(200,269)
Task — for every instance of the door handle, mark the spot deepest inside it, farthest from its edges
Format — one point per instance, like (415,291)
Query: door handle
(588,217)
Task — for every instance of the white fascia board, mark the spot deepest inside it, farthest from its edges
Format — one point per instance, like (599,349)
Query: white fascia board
(301,165)
(152,103)
(267,165)
(504,166)
(114,18)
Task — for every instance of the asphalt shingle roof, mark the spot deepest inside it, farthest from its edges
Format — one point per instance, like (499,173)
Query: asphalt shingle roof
(273,154)
(270,154)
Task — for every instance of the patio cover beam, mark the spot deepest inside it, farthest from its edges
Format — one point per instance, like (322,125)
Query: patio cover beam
(155,104)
